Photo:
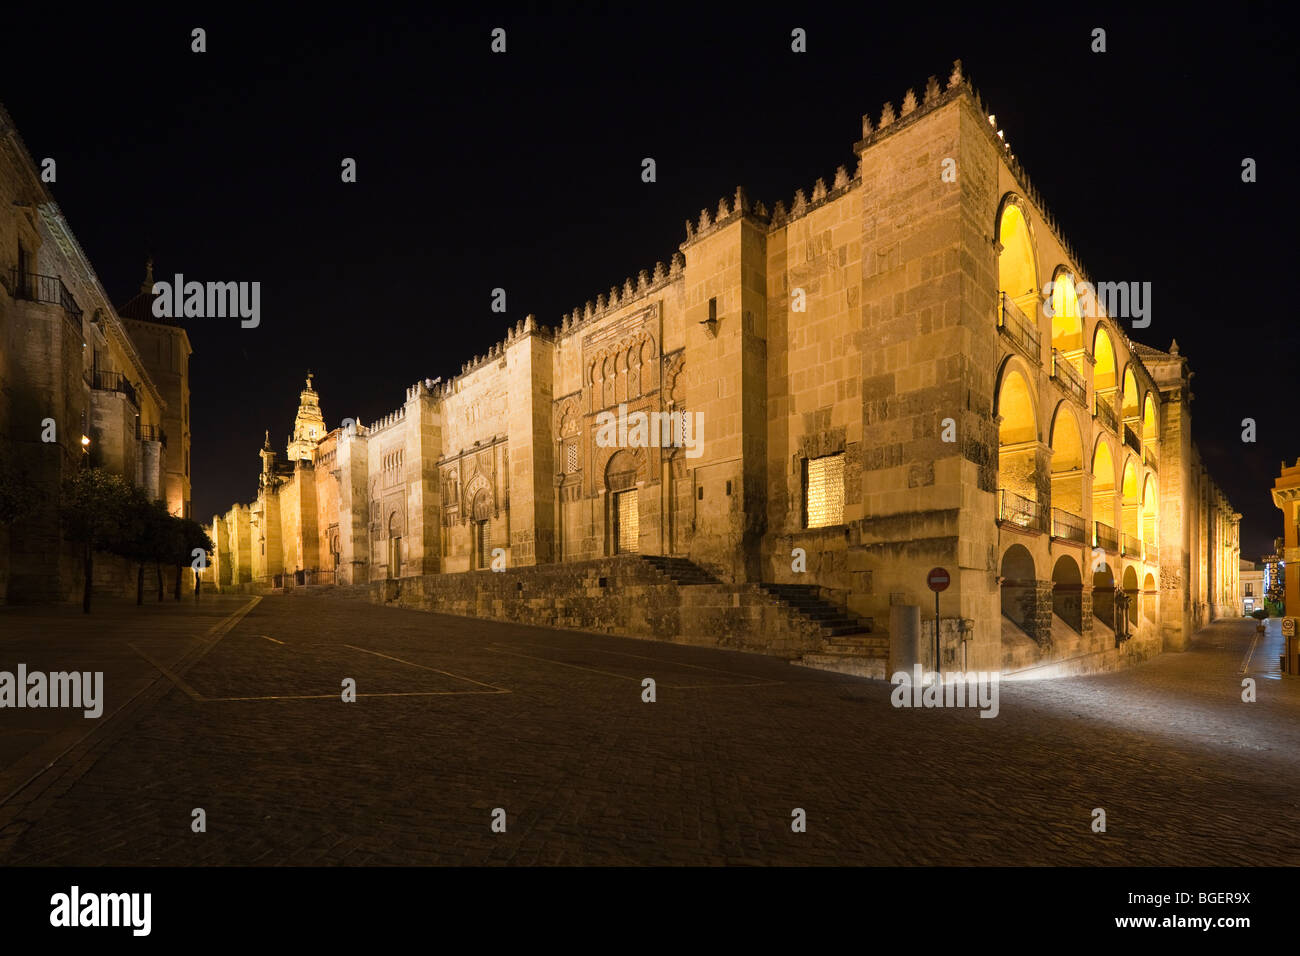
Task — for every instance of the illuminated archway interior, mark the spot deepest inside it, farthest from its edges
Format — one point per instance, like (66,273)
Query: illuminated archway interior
(1067,463)
(1103,485)
(1067,327)
(1017,437)
(1017,274)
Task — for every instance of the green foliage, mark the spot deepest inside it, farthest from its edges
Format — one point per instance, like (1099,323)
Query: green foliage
(19,496)
(146,529)
(94,508)
(193,536)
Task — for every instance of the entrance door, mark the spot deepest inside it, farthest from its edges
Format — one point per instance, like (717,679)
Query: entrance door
(394,557)
(481,539)
(627,523)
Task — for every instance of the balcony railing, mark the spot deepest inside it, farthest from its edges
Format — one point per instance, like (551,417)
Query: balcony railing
(1068,377)
(151,433)
(1012,323)
(1020,511)
(1131,439)
(1150,458)
(113,382)
(1132,546)
(1152,552)
(1068,527)
(47,289)
(1104,537)
(1104,411)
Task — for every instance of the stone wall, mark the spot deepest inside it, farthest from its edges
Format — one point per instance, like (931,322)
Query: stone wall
(617,595)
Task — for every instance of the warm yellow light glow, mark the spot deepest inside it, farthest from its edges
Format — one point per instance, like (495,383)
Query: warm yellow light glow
(1132,406)
(85,440)
(1105,372)
(1017,276)
(1067,330)
(825,491)
(1103,472)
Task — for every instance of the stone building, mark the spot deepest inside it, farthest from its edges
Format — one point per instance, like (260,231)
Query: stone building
(76,380)
(1286,495)
(853,388)
(164,347)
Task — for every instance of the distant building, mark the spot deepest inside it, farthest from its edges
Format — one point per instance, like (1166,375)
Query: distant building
(1252,586)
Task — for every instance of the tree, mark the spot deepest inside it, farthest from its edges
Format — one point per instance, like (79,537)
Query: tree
(93,511)
(19,496)
(144,536)
(192,538)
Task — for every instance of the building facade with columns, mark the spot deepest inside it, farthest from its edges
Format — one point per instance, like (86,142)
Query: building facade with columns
(865,383)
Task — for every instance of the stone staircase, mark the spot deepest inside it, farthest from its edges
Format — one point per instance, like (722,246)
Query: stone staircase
(681,571)
(806,601)
(848,644)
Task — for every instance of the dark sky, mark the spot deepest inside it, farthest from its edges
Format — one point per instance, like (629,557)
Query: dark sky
(522,171)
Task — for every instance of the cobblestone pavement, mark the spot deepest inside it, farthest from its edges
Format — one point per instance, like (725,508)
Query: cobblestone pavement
(457,717)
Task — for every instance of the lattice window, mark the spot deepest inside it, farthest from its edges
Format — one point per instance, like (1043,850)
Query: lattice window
(571,458)
(483,534)
(628,527)
(824,491)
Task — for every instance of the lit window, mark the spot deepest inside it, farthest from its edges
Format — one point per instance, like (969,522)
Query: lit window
(824,491)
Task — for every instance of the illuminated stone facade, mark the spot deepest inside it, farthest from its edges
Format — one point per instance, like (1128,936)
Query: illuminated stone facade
(871,402)
(77,381)
(1286,495)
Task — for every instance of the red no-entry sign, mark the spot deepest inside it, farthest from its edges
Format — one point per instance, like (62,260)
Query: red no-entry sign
(938,579)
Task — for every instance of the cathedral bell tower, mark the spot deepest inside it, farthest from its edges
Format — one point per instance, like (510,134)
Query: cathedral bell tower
(309,426)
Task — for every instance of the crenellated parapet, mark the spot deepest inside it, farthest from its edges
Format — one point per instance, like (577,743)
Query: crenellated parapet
(739,207)
(647,283)
(395,417)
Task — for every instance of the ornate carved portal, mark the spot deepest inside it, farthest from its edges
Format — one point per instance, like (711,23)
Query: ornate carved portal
(624,370)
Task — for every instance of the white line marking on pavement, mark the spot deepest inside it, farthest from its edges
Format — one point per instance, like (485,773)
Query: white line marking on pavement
(214,633)
(1250,653)
(500,690)
(272,639)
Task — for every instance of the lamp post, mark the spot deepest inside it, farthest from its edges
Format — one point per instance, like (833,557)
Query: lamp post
(1121,616)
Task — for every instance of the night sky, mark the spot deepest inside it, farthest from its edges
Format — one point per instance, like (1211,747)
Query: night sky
(523,171)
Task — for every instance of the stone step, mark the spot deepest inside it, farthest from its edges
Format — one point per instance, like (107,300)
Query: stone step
(836,630)
(857,666)
(856,644)
(679,570)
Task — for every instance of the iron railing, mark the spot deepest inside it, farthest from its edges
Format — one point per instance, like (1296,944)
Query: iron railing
(1131,439)
(1104,537)
(1152,552)
(1150,458)
(1132,545)
(1019,510)
(1013,323)
(1104,411)
(113,382)
(1068,527)
(46,289)
(150,433)
(1068,377)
